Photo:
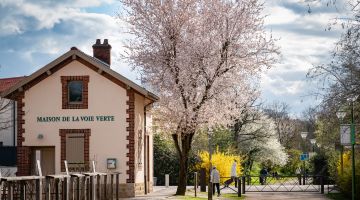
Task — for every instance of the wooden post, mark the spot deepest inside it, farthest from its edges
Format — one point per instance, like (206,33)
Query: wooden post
(86,187)
(10,191)
(47,189)
(98,186)
(1,188)
(91,188)
(239,186)
(112,186)
(57,189)
(117,186)
(38,192)
(65,189)
(105,184)
(22,190)
(78,188)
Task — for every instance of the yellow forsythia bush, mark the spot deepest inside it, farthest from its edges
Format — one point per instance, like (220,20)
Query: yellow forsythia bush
(223,163)
(345,179)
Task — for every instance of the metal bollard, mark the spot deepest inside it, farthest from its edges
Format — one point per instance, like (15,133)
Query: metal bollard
(322,184)
(202,180)
(195,183)
(239,186)
(243,184)
(167,180)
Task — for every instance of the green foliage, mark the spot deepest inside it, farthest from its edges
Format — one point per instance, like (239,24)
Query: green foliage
(319,164)
(187,197)
(232,196)
(344,180)
(222,161)
(166,161)
(337,196)
(222,138)
(293,162)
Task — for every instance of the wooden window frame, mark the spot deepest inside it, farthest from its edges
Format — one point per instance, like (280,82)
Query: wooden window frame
(65,92)
(63,133)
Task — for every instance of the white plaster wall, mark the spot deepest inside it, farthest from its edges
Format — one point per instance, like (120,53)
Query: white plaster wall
(107,140)
(7,135)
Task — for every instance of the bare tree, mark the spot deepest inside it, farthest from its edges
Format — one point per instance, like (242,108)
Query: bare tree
(287,128)
(5,114)
(202,57)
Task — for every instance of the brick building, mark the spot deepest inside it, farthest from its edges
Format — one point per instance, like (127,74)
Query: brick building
(76,108)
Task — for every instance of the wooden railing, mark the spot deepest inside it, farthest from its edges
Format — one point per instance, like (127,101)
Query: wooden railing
(82,186)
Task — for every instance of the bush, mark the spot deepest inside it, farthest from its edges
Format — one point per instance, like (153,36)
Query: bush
(166,161)
(222,161)
(293,162)
(344,179)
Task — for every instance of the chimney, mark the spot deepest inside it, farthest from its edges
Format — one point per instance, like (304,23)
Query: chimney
(102,51)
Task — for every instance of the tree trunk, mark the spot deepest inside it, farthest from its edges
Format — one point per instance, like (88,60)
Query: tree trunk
(183,154)
(182,179)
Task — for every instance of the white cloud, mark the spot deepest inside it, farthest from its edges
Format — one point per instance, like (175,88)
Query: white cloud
(303,42)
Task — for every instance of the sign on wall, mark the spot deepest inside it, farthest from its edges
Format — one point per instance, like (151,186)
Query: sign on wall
(86,118)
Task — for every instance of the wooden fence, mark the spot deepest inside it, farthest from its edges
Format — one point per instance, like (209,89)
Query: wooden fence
(84,186)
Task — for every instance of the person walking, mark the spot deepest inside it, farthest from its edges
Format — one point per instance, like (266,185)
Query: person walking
(233,172)
(215,180)
(263,174)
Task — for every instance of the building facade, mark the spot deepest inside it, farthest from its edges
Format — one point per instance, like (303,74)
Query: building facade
(77,109)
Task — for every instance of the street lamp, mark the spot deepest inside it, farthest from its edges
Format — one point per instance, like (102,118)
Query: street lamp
(210,190)
(313,142)
(341,114)
(303,136)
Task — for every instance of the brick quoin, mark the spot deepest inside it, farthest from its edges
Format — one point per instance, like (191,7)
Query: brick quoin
(23,152)
(131,135)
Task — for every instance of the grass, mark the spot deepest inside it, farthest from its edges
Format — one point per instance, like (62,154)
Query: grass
(337,196)
(223,196)
(189,197)
(203,196)
(232,196)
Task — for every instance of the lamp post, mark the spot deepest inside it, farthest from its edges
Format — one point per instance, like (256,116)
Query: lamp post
(313,142)
(210,133)
(303,136)
(341,114)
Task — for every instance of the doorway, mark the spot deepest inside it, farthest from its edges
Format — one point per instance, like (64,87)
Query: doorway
(46,155)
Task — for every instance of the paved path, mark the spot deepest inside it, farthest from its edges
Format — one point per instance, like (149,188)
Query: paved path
(285,195)
(161,192)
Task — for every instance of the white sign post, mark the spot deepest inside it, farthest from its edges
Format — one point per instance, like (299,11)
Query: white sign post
(345,134)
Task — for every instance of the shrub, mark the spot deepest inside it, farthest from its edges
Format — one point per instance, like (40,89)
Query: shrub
(344,179)
(222,161)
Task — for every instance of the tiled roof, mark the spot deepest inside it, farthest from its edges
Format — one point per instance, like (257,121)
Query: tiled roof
(6,83)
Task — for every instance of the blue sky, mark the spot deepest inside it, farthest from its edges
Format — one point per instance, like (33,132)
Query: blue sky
(35,32)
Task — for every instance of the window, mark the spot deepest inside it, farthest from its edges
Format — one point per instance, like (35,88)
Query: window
(74,92)
(75,148)
(75,144)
